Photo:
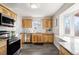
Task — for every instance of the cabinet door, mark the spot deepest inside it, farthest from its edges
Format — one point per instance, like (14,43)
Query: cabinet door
(28,37)
(4,10)
(22,40)
(0,9)
(34,37)
(23,23)
(47,23)
(3,50)
(39,38)
(50,38)
(42,39)
(27,23)
(45,38)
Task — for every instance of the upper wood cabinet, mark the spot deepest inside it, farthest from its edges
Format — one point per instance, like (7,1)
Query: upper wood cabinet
(47,23)
(27,23)
(6,11)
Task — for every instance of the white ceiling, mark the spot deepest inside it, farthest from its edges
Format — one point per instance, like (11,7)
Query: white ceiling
(44,9)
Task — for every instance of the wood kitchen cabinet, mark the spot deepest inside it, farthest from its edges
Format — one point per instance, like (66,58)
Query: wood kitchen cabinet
(47,23)
(23,23)
(28,38)
(34,38)
(3,47)
(6,11)
(3,50)
(27,23)
(22,40)
(42,38)
(63,51)
(48,38)
(37,38)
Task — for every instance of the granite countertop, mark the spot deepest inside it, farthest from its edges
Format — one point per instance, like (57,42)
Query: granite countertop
(69,44)
(14,40)
(5,38)
(72,47)
(39,33)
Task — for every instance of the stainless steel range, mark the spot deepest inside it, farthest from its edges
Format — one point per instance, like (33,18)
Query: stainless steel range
(9,35)
(4,34)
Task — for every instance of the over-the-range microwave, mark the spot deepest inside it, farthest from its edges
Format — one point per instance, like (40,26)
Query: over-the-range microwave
(6,21)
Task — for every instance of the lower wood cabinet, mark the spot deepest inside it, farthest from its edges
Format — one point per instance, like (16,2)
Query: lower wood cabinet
(34,38)
(28,35)
(63,51)
(22,40)
(3,50)
(3,47)
(37,38)
(48,38)
(42,38)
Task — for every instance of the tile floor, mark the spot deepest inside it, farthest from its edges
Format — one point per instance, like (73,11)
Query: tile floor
(36,49)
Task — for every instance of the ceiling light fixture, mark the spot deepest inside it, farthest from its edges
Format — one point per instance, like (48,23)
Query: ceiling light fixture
(34,6)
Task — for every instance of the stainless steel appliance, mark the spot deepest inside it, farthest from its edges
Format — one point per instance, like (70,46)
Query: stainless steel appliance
(6,21)
(3,34)
(9,35)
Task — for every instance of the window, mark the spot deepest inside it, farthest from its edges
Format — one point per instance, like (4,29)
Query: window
(71,24)
(76,25)
(67,24)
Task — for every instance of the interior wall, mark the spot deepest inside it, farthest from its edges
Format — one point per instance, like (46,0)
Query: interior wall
(56,21)
(18,26)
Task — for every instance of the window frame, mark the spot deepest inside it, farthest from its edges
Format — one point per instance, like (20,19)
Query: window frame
(72,28)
